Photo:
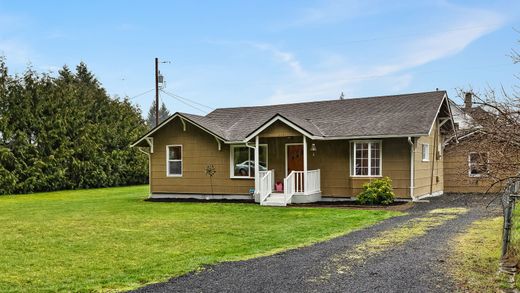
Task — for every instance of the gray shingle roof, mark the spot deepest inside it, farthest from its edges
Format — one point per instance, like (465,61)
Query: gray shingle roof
(375,116)
(396,115)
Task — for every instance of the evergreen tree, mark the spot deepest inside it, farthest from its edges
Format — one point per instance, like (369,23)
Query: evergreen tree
(65,132)
(163,115)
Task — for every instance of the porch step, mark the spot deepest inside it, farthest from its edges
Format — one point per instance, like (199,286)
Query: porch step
(275,199)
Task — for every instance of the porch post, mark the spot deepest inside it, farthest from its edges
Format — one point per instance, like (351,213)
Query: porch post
(304,164)
(257,164)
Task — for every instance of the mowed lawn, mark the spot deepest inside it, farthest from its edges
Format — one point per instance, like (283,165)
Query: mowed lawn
(111,239)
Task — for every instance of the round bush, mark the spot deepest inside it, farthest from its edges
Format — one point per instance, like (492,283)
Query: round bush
(378,191)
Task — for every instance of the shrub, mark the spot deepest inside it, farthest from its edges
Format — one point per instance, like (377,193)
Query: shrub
(378,191)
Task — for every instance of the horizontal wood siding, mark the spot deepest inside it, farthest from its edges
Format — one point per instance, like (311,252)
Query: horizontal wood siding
(333,159)
(199,149)
(423,169)
(456,168)
(279,129)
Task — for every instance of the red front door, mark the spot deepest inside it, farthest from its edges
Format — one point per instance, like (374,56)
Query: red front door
(295,163)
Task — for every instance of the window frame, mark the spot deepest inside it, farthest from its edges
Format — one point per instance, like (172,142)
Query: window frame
(427,159)
(353,158)
(469,164)
(232,160)
(172,160)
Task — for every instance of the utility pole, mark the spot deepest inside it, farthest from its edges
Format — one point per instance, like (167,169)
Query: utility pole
(156,91)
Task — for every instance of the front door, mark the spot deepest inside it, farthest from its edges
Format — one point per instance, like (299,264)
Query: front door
(295,163)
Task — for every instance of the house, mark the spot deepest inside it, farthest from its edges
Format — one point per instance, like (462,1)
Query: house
(469,159)
(307,152)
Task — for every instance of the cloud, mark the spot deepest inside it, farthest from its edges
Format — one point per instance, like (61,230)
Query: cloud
(332,11)
(286,58)
(451,38)
(473,25)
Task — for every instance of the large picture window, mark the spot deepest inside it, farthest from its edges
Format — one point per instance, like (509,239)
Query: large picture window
(478,164)
(243,161)
(366,158)
(174,160)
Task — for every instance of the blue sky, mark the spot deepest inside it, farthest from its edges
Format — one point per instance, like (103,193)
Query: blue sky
(236,53)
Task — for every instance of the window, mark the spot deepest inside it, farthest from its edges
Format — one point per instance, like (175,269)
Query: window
(425,152)
(366,158)
(174,160)
(478,164)
(243,161)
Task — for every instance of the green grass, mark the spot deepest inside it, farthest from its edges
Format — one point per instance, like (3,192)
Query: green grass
(110,239)
(476,256)
(474,263)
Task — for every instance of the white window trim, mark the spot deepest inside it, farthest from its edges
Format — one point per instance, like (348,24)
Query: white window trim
(352,158)
(469,164)
(427,159)
(232,163)
(168,160)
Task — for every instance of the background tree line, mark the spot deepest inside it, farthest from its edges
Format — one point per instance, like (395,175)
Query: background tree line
(66,132)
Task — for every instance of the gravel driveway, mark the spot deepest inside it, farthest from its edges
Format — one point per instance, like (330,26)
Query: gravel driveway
(401,254)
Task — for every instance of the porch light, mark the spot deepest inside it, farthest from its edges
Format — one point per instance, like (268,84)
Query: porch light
(313,149)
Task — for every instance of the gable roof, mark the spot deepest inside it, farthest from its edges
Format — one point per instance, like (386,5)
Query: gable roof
(384,116)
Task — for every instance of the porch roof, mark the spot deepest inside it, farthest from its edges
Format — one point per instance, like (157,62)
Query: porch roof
(383,116)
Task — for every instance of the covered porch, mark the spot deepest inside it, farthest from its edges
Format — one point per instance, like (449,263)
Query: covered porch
(282,174)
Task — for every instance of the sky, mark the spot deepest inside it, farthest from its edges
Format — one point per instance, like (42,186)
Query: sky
(241,53)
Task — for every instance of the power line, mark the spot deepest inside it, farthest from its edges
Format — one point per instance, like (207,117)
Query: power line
(401,36)
(185,103)
(143,93)
(186,99)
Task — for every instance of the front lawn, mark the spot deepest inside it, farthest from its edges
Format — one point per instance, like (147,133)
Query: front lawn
(476,255)
(110,239)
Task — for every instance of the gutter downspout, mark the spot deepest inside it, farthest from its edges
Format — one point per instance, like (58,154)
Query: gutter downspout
(412,165)
(149,171)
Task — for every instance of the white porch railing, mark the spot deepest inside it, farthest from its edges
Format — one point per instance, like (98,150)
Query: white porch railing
(313,182)
(266,186)
(295,183)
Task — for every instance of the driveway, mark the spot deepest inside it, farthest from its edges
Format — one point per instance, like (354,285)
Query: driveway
(401,254)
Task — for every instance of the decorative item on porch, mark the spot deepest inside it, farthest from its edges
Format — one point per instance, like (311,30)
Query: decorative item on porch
(210,171)
(278,187)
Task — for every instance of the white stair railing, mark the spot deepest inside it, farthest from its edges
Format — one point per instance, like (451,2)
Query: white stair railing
(313,182)
(266,185)
(293,184)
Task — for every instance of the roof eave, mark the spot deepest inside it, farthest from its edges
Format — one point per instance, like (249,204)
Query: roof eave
(176,114)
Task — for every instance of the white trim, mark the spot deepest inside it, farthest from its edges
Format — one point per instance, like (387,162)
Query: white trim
(305,181)
(288,144)
(166,122)
(218,142)
(168,160)
(257,164)
(231,159)
(469,165)
(183,124)
(199,196)
(273,120)
(352,159)
(433,194)
(437,114)
(149,140)
(427,159)
(327,138)
(412,166)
